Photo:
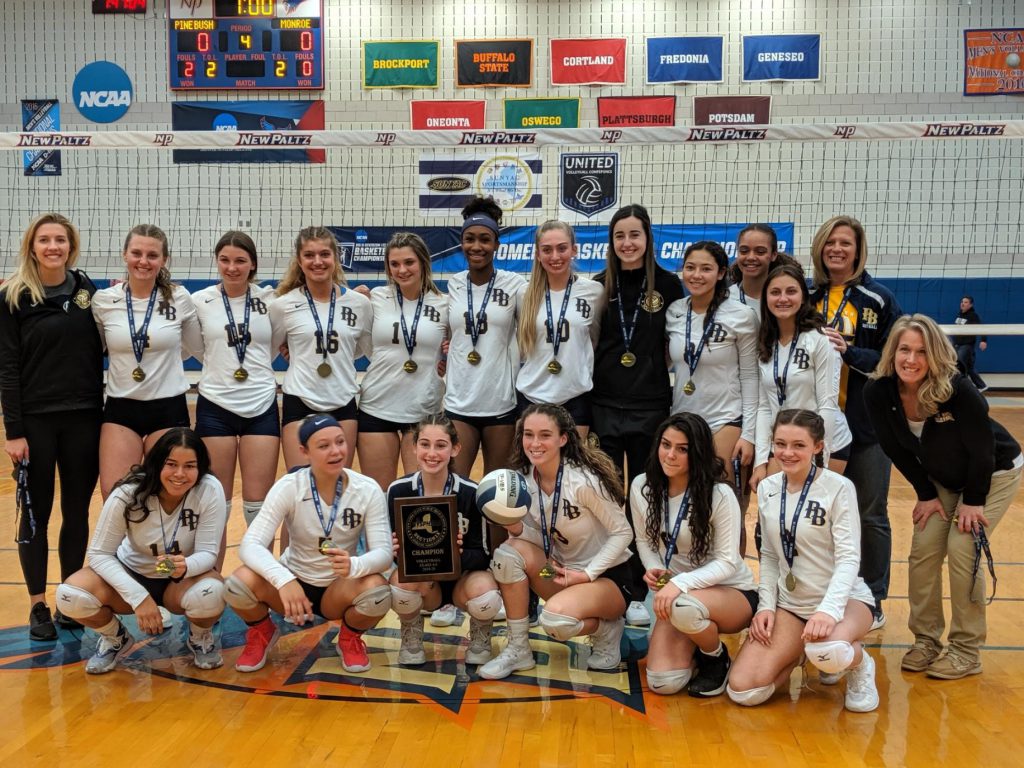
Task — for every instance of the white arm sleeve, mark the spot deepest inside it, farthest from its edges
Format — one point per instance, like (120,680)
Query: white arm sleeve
(724,558)
(110,532)
(846,543)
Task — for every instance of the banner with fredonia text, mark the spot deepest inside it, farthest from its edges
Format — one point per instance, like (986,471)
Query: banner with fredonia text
(400,63)
(42,115)
(781,57)
(636,111)
(494,63)
(448,115)
(588,61)
(542,113)
(684,60)
(993,61)
(732,110)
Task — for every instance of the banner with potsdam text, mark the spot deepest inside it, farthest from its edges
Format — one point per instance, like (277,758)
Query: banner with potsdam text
(588,61)
(467,115)
(732,110)
(684,60)
(542,113)
(400,63)
(993,61)
(636,111)
(494,63)
(781,57)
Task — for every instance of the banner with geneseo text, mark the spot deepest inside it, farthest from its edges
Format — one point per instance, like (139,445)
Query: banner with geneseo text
(636,111)
(42,115)
(781,57)
(732,110)
(400,63)
(542,113)
(448,115)
(494,63)
(993,61)
(588,62)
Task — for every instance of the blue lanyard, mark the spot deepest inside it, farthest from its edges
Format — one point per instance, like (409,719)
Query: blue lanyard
(681,514)
(239,337)
(789,537)
(547,531)
(140,337)
(690,356)
(448,484)
(409,338)
(627,330)
(556,331)
(324,339)
(338,489)
(838,316)
(780,383)
(23,504)
(169,543)
(476,321)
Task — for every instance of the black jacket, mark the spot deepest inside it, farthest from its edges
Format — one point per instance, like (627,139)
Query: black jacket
(970,317)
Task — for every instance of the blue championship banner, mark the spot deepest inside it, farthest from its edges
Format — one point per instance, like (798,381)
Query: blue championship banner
(781,57)
(684,60)
(41,115)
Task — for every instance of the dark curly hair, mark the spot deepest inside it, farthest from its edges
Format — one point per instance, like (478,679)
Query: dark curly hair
(146,476)
(485,205)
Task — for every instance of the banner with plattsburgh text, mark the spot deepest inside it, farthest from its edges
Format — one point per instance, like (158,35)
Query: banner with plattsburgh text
(494,63)
(41,115)
(993,61)
(636,111)
(400,63)
(588,61)
(781,57)
(468,115)
(684,60)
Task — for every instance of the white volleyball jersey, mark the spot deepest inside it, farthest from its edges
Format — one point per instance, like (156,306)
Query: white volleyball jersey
(591,530)
(754,302)
(218,384)
(578,336)
(389,392)
(173,335)
(726,373)
(811,383)
(722,565)
(290,502)
(827,547)
(348,340)
(489,387)
(195,525)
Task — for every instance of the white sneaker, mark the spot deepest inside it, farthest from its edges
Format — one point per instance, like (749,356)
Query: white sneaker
(826,679)
(514,658)
(204,650)
(638,615)
(411,652)
(166,617)
(877,619)
(606,653)
(109,651)
(861,693)
(479,651)
(445,616)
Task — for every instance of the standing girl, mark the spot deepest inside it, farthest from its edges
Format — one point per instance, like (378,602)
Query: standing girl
(757,253)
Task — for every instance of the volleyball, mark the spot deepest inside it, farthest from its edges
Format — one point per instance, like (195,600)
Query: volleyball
(502,496)
(1013,60)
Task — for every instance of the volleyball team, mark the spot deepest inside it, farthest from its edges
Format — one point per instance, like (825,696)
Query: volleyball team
(803,391)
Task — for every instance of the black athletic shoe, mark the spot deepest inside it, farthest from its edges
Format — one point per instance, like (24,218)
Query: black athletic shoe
(534,609)
(712,673)
(40,623)
(65,622)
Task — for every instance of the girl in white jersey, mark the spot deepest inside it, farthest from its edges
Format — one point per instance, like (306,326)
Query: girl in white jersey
(402,385)
(326,327)
(688,533)
(810,599)
(571,548)
(236,412)
(798,367)
(757,253)
(483,356)
(148,326)
(155,545)
(558,368)
(325,508)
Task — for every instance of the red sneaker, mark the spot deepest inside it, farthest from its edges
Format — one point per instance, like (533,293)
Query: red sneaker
(259,639)
(352,650)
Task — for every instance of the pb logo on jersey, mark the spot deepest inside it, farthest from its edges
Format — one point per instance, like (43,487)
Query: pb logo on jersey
(168,310)
(815,513)
(801,359)
(589,181)
(869,317)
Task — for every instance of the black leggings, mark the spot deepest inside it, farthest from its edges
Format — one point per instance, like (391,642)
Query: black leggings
(68,442)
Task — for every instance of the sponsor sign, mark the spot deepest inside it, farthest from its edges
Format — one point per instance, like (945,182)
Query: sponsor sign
(400,63)
(589,61)
(993,61)
(588,185)
(636,111)
(102,92)
(449,181)
(731,110)
(542,113)
(41,115)
(448,115)
(781,57)
(684,60)
(494,63)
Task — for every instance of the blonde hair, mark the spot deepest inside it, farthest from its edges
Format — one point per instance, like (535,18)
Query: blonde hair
(163,277)
(415,242)
(294,276)
(860,262)
(536,288)
(937,386)
(26,276)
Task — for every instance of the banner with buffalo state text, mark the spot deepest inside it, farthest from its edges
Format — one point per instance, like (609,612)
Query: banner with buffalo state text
(494,63)
(636,111)
(684,60)
(993,61)
(542,113)
(588,61)
(400,63)
(465,115)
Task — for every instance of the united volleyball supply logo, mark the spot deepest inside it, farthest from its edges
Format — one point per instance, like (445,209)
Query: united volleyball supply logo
(102,92)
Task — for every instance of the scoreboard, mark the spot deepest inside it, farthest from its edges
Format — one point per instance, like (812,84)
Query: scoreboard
(246,44)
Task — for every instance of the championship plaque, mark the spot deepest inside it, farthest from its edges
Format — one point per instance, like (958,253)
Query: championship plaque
(427,528)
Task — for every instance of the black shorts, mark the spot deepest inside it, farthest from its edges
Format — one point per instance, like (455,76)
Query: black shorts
(293,408)
(155,587)
(751,595)
(622,577)
(144,417)
(215,421)
(578,407)
(368,423)
(843,454)
(480,423)
(314,594)
(472,560)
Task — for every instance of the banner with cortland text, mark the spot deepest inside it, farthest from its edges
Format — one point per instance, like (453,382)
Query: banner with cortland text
(636,111)
(781,57)
(993,61)
(684,60)
(448,115)
(588,61)
(732,110)
(542,113)
(494,63)
(41,115)
(400,63)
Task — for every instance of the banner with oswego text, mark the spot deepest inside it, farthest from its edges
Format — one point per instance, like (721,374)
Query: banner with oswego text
(993,61)
(542,113)
(588,61)
(494,63)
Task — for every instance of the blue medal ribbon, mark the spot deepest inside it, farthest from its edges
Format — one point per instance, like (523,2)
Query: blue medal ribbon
(448,484)
(139,337)
(475,321)
(240,341)
(338,489)
(23,504)
(324,338)
(169,543)
(789,536)
(407,336)
(556,331)
(681,515)
(780,383)
(547,531)
(691,356)
(627,330)
(838,316)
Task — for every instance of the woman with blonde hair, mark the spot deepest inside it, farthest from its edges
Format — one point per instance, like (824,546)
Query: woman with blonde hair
(965,469)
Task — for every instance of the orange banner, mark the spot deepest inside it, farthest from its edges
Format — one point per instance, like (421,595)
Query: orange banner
(993,61)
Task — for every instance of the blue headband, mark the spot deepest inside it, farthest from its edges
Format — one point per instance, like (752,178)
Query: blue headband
(480,220)
(314,424)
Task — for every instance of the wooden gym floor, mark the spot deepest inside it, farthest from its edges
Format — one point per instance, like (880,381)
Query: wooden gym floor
(303,708)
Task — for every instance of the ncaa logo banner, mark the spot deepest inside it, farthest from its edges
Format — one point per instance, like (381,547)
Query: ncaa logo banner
(102,92)
(993,61)
(588,62)
(448,115)
(781,57)
(684,60)
(400,63)
(41,115)
(588,185)
(448,182)
(636,111)
(542,113)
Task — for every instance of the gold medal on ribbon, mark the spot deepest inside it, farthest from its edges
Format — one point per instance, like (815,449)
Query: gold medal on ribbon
(790,581)
(652,301)
(326,544)
(164,566)
(241,374)
(662,581)
(628,359)
(689,387)
(547,572)
(473,357)
(409,366)
(324,369)
(82,299)
(554,367)
(138,374)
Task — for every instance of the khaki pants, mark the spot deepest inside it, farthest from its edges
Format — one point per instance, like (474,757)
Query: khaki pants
(939,539)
